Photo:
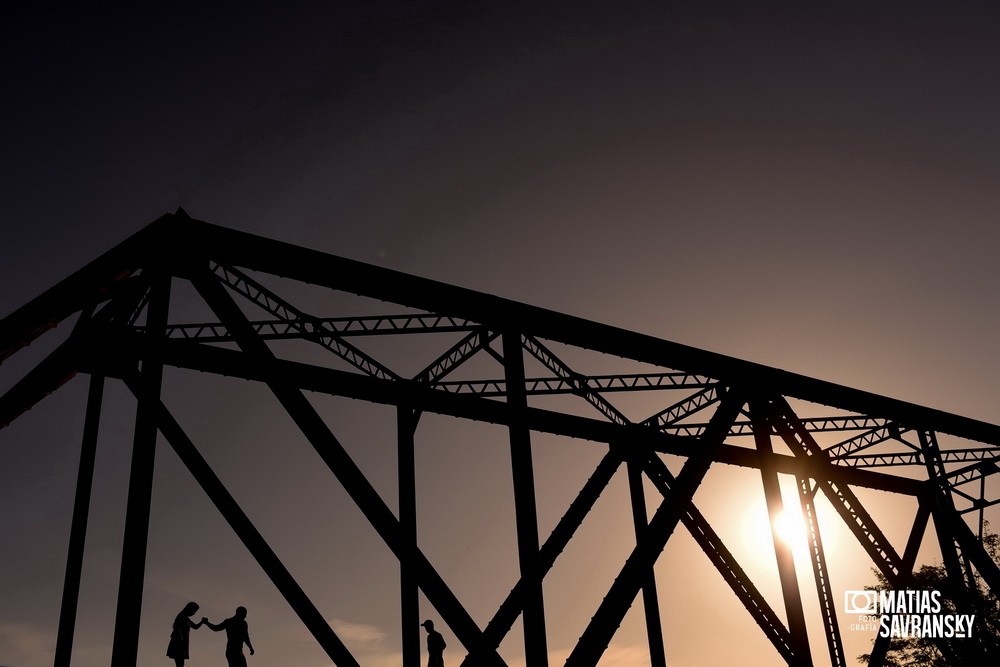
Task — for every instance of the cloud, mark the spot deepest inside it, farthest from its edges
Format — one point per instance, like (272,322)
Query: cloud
(24,643)
(384,660)
(356,632)
(365,641)
(372,647)
(625,656)
(614,656)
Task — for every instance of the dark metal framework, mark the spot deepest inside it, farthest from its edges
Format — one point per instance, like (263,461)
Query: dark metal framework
(717,411)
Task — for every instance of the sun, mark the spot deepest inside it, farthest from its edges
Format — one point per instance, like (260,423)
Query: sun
(788,526)
(790,529)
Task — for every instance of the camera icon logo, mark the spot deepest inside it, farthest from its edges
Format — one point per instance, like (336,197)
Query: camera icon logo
(861,602)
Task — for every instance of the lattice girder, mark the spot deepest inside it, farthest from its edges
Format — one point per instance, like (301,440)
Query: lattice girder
(125,330)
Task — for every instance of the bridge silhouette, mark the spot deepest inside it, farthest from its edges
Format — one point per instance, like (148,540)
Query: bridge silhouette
(713,411)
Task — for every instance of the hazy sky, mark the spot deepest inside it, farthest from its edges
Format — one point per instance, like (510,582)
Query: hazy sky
(812,189)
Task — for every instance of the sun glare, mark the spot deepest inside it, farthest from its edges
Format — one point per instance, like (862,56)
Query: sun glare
(790,529)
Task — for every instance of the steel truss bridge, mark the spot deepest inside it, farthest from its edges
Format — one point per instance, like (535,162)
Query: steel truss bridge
(715,410)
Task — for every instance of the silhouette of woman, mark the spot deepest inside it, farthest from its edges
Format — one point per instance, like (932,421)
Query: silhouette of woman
(178,646)
(237,634)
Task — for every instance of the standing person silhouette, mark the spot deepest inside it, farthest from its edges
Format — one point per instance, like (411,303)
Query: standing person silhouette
(237,634)
(180,634)
(435,645)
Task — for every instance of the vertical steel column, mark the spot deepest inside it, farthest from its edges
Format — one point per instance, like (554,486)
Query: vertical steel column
(791,429)
(133,565)
(608,617)
(326,445)
(941,504)
(78,530)
(817,557)
(409,593)
(251,538)
(512,606)
(535,649)
(782,550)
(723,560)
(982,502)
(959,548)
(650,600)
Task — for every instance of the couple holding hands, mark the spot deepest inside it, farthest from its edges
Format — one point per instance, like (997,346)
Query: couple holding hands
(237,634)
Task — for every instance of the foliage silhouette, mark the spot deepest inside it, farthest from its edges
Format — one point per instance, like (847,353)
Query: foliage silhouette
(983,648)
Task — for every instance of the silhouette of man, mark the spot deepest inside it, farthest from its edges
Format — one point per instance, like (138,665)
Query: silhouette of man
(435,645)
(237,634)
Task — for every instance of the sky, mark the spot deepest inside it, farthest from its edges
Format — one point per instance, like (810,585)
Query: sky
(811,188)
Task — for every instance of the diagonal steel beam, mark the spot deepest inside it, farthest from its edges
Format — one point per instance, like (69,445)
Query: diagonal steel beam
(98,281)
(650,597)
(56,369)
(673,414)
(864,441)
(821,573)
(976,471)
(954,535)
(310,327)
(455,356)
(525,509)
(513,604)
(180,236)
(831,480)
(654,631)
(941,502)
(724,561)
(62,364)
(609,615)
(881,645)
(234,363)
(134,541)
(577,381)
(782,550)
(249,535)
(343,467)
(78,528)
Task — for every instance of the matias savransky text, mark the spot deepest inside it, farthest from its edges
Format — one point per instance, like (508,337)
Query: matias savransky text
(909,613)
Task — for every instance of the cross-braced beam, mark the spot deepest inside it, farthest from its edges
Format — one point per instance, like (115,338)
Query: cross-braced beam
(706,409)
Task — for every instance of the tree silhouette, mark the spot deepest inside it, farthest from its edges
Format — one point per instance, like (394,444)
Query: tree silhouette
(957,597)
